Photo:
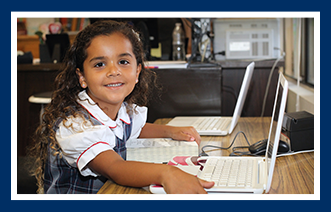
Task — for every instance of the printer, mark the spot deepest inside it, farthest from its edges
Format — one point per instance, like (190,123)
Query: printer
(298,130)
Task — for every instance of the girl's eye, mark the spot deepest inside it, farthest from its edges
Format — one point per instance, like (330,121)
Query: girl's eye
(124,62)
(100,64)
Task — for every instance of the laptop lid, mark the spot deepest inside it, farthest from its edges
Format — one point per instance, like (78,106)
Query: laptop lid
(242,95)
(275,128)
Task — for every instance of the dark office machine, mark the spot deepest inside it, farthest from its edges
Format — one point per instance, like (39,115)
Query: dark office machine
(25,58)
(298,127)
(57,46)
(186,92)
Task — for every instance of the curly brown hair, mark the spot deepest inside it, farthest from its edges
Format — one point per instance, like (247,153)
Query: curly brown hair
(64,99)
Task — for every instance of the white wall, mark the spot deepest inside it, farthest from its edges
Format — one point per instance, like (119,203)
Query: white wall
(300,98)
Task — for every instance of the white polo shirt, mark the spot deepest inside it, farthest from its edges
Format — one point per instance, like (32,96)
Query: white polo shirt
(82,142)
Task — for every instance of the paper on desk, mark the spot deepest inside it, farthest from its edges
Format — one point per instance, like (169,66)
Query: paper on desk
(159,150)
(157,142)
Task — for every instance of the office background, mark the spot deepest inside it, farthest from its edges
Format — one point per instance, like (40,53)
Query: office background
(301,95)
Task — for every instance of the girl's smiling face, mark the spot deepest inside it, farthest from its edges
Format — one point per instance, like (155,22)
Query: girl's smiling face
(110,71)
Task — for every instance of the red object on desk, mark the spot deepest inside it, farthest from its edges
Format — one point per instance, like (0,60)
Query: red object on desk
(55,28)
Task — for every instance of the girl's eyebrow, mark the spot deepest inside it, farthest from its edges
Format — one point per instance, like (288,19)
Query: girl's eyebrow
(97,58)
(103,57)
(125,54)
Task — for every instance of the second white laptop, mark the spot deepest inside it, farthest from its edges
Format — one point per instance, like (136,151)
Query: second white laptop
(217,125)
(246,175)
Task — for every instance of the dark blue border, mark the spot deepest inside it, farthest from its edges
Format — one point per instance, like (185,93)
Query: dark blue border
(169,5)
(259,5)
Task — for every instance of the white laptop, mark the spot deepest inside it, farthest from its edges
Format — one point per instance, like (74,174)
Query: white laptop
(218,125)
(254,174)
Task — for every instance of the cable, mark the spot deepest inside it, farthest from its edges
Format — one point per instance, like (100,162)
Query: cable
(230,90)
(203,153)
(247,153)
(221,53)
(294,153)
(235,152)
(268,83)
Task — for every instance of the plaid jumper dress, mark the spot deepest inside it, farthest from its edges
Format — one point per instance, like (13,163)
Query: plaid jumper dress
(62,178)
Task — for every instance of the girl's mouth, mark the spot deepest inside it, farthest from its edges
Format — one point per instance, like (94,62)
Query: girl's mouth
(114,84)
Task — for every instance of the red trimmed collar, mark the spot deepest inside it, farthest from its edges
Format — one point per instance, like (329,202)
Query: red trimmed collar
(85,101)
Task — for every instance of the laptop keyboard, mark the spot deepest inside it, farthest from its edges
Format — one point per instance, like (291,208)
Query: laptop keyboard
(212,123)
(228,172)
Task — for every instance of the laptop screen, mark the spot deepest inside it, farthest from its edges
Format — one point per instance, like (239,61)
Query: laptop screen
(276,126)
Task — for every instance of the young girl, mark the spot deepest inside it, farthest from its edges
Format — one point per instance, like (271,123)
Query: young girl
(98,104)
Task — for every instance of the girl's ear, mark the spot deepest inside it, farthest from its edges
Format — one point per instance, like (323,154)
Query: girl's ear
(138,72)
(81,78)
(78,72)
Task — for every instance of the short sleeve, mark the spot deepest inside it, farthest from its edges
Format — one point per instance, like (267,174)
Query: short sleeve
(82,142)
(138,121)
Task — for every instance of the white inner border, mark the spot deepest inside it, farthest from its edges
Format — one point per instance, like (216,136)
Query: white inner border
(15,15)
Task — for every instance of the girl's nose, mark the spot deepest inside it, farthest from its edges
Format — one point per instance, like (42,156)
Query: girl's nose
(113,70)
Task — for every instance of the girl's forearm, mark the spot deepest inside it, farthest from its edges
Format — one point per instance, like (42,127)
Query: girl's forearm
(128,173)
(155,131)
(138,174)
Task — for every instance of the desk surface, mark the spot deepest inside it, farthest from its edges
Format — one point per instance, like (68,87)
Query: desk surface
(292,175)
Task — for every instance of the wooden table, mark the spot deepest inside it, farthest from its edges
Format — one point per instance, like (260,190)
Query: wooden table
(293,174)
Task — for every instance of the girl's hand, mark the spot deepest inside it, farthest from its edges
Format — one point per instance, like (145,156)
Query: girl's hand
(177,181)
(110,165)
(165,131)
(184,134)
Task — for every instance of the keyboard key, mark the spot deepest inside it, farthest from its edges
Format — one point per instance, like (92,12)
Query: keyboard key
(228,172)
(211,124)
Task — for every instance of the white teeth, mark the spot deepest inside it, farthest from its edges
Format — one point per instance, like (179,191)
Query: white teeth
(114,85)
